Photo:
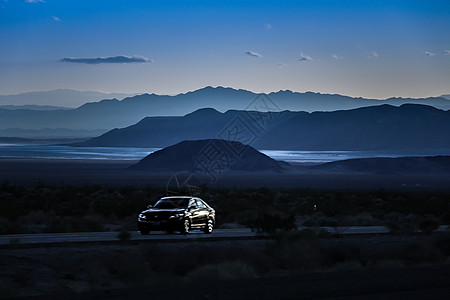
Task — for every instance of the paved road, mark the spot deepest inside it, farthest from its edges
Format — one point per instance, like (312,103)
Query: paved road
(136,236)
(113,236)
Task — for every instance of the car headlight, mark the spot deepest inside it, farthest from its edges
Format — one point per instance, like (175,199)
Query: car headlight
(142,217)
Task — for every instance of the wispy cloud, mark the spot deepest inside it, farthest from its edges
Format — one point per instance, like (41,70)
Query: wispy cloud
(373,54)
(446,52)
(428,53)
(281,65)
(268,26)
(335,56)
(254,54)
(56,19)
(304,57)
(121,59)
(34,1)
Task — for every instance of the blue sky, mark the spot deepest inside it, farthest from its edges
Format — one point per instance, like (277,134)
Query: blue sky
(374,49)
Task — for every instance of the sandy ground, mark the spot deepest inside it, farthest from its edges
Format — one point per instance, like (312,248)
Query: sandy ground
(116,173)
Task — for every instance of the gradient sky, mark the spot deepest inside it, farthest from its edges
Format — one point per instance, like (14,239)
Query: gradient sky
(374,49)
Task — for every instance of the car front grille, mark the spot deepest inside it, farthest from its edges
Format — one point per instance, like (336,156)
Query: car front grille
(159,216)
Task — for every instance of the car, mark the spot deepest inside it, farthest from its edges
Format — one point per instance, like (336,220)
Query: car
(177,213)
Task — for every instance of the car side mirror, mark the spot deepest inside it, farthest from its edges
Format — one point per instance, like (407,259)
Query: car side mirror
(149,206)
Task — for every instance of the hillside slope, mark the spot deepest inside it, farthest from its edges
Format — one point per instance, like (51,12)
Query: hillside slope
(383,165)
(210,156)
(408,127)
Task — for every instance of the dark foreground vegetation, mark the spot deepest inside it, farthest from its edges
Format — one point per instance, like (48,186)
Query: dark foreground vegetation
(287,251)
(46,208)
(83,268)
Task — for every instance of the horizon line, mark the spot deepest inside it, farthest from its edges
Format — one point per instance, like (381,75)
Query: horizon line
(133,94)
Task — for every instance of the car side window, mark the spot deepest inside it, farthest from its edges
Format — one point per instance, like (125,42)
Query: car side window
(200,204)
(193,204)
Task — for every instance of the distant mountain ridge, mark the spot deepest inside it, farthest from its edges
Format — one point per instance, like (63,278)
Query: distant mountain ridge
(49,133)
(34,107)
(393,166)
(385,127)
(112,113)
(61,97)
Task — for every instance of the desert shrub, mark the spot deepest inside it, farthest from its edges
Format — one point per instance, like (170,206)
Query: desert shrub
(295,250)
(231,226)
(401,224)
(58,224)
(11,206)
(75,205)
(388,263)
(445,218)
(309,222)
(73,224)
(6,226)
(340,254)
(420,251)
(118,205)
(169,259)
(362,219)
(339,222)
(268,224)
(36,217)
(35,221)
(442,242)
(429,224)
(221,271)
(103,207)
(127,268)
(86,224)
(128,223)
(346,266)
(320,219)
(124,235)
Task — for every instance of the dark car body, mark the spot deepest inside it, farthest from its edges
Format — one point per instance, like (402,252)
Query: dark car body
(178,213)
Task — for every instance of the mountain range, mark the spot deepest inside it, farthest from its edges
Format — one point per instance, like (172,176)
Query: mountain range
(61,98)
(393,166)
(409,127)
(34,107)
(53,133)
(112,113)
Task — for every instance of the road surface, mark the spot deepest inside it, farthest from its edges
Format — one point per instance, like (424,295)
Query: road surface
(43,238)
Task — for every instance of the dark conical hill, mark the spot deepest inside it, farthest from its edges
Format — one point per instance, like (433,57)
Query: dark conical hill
(209,155)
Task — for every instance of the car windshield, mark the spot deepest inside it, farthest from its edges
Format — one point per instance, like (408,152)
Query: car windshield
(172,203)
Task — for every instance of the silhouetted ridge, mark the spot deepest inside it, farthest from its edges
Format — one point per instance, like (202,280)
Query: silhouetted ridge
(209,156)
(377,128)
(112,113)
(204,114)
(383,165)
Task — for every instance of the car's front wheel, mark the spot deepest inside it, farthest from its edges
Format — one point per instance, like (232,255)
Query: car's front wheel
(209,227)
(186,226)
